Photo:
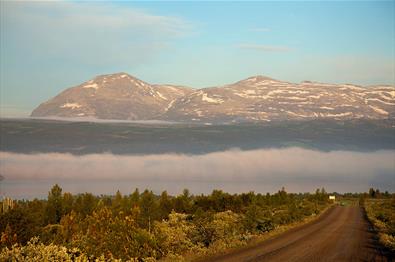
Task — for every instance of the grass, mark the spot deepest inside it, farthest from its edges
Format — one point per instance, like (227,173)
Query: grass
(381,213)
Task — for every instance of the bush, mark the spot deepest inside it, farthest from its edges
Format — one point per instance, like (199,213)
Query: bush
(381,212)
(37,251)
(133,228)
(173,235)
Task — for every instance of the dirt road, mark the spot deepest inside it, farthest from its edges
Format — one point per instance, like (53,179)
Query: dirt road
(341,234)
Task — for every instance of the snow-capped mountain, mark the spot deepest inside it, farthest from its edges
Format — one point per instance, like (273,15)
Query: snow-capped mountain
(114,96)
(258,98)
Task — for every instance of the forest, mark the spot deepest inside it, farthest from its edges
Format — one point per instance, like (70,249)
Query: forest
(142,226)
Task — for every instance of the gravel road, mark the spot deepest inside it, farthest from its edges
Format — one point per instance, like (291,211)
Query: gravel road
(340,234)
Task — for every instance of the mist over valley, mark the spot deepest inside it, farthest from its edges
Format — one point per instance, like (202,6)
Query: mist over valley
(342,156)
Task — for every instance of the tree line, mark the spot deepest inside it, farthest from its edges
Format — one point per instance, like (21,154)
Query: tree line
(142,226)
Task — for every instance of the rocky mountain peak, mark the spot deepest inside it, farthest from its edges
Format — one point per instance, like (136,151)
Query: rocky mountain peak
(258,78)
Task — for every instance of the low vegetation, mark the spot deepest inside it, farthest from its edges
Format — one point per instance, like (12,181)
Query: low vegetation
(380,210)
(144,226)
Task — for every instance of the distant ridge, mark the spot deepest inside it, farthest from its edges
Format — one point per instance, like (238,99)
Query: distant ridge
(254,99)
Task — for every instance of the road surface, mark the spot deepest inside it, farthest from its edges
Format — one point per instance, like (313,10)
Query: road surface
(340,234)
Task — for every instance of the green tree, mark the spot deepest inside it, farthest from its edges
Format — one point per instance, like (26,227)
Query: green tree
(252,218)
(69,227)
(117,203)
(372,192)
(148,208)
(85,204)
(21,223)
(165,205)
(54,209)
(182,203)
(135,198)
(204,230)
(228,230)
(115,237)
(68,201)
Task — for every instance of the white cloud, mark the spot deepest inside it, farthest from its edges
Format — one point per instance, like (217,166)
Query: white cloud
(265,48)
(92,33)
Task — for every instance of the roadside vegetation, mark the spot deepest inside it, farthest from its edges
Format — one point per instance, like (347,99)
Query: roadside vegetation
(380,210)
(146,227)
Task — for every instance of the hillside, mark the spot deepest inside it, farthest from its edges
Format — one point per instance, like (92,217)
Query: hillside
(255,99)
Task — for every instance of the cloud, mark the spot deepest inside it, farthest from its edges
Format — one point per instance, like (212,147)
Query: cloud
(297,169)
(91,33)
(265,48)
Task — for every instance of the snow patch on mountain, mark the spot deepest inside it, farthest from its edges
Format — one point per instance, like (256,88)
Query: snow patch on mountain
(378,110)
(71,105)
(208,99)
(94,86)
(160,95)
(327,108)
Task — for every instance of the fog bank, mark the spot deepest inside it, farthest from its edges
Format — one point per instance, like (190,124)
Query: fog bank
(267,170)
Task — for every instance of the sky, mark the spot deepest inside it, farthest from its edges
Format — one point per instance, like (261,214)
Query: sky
(46,47)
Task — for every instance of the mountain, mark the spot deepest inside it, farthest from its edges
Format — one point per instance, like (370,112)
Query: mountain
(255,99)
(114,96)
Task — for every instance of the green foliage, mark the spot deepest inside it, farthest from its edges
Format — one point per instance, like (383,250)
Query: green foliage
(146,227)
(17,226)
(54,209)
(148,209)
(102,233)
(173,235)
(165,205)
(374,193)
(228,229)
(36,251)
(381,212)
(67,204)
(85,204)
(257,220)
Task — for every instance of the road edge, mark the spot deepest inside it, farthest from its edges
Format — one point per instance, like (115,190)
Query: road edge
(259,239)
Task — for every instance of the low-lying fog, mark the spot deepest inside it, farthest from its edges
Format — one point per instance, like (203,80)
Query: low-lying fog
(266,170)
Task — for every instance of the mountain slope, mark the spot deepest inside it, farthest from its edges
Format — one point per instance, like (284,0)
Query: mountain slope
(258,98)
(115,96)
(261,98)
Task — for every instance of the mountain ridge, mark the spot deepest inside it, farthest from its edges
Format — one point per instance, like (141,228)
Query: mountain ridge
(254,99)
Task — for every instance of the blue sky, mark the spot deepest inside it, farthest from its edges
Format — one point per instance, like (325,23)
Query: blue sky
(46,47)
